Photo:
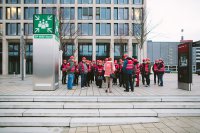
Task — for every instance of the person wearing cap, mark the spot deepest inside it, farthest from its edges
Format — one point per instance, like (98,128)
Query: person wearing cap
(161,71)
(109,69)
(121,81)
(63,68)
(116,72)
(147,72)
(155,71)
(76,74)
(142,70)
(137,70)
(88,76)
(83,70)
(100,73)
(128,68)
(70,72)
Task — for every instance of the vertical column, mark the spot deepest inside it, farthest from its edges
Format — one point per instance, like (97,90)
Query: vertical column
(94,49)
(112,48)
(112,31)
(130,48)
(76,49)
(5,57)
(76,30)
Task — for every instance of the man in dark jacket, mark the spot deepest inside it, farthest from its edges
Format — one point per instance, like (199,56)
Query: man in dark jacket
(83,69)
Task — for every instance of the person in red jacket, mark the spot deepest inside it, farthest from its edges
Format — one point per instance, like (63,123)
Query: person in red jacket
(161,71)
(116,72)
(121,81)
(88,76)
(64,71)
(142,70)
(76,74)
(137,70)
(100,73)
(155,70)
(147,71)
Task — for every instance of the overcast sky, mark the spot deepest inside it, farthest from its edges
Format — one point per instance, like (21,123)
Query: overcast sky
(172,16)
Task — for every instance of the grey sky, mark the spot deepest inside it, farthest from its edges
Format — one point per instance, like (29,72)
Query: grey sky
(172,16)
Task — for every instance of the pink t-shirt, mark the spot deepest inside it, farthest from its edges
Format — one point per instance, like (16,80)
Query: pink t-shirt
(109,68)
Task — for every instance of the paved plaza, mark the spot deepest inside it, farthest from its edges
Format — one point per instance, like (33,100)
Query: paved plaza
(13,85)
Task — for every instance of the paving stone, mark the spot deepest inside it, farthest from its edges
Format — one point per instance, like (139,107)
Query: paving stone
(148,125)
(128,130)
(191,130)
(72,130)
(61,112)
(141,131)
(81,129)
(138,126)
(153,130)
(167,130)
(178,129)
(126,126)
(127,112)
(101,128)
(11,112)
(93,129)
(115,128)
(34,121)
(160,125)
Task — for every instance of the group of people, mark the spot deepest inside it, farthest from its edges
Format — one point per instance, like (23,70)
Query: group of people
(124,72)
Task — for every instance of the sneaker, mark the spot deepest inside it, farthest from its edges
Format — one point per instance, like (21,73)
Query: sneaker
(126,91)
(82,88)
(106,91)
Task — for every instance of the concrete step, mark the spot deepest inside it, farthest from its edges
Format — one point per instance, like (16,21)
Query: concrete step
(177,112)
(100,98)
(78,112)
(97,105)
(34,121)
(76,122)
(72,122)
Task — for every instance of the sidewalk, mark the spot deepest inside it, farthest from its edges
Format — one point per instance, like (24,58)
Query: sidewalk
(10,85)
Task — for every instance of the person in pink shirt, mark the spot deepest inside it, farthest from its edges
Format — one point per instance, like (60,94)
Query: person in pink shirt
(109,69)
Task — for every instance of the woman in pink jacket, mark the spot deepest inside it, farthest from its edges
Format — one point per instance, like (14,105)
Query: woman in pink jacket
(109,68)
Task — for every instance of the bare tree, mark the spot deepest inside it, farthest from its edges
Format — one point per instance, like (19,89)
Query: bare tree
(67,32)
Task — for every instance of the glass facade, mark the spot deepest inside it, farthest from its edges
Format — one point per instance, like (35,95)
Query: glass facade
(121,1)
(68,13)
(121,13)
(1,29)
(84,50)
(49,10)
(85,29)
(103,1)
(67,1)
(31,1)
(135,50)
(29,11)
(121,29)
(29,58)
(28,29)
(13,58)
(85,13)
(69,51)
(102,50)
(68,29)
(13,1)
(85,1)
(103,13)
(103,29)
(13,29)
(137,29)
(119,50)
(1,13)
(13,13)
(138,2)
(49,1)
(137,13)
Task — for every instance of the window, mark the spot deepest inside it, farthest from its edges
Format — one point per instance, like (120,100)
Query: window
(1,29)
(69,50)
(85,1)
(29,12)
(68,29)
(103,29)
(31,1)
(85,49)
(120,49)
(67,13)
(137,29)
(103,1)
(85,29)
(135,51)
(85,13)
(13,29)
(13,1)
(103,13)
(29,58)
(138,2)
(137,13)
(1,12)
(120,1)
(67,1)
(13,13)
(28,29)
(49,10)
(49,1)
(121,29)
(102,49)
(121,13)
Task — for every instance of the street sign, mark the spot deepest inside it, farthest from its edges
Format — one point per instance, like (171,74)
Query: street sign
(43,24)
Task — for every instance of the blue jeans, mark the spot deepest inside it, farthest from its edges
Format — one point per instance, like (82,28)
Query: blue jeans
(70,81)
(83,79)
(160,78)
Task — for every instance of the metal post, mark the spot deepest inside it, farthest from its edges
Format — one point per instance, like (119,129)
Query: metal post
(22,55)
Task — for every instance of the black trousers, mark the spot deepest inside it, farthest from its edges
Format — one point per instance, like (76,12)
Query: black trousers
(147,76)
(156,75)
(143,78)
(64,77)
(129,81)
(76,75)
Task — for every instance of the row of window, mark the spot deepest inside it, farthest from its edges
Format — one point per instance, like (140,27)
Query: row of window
(84,29)
(73,1)
(68,13)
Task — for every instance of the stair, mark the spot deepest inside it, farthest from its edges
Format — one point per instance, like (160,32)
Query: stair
(73,111)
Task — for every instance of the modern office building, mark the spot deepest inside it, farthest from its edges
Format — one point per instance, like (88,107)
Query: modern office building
(96,29)
(168,51)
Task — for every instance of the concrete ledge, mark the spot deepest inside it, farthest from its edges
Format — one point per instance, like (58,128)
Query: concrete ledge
(77,122)
(33,122)
(62,112)
(127,112)
(11,112)
(177,112)
(181,99)
(129,99)
(65,99)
